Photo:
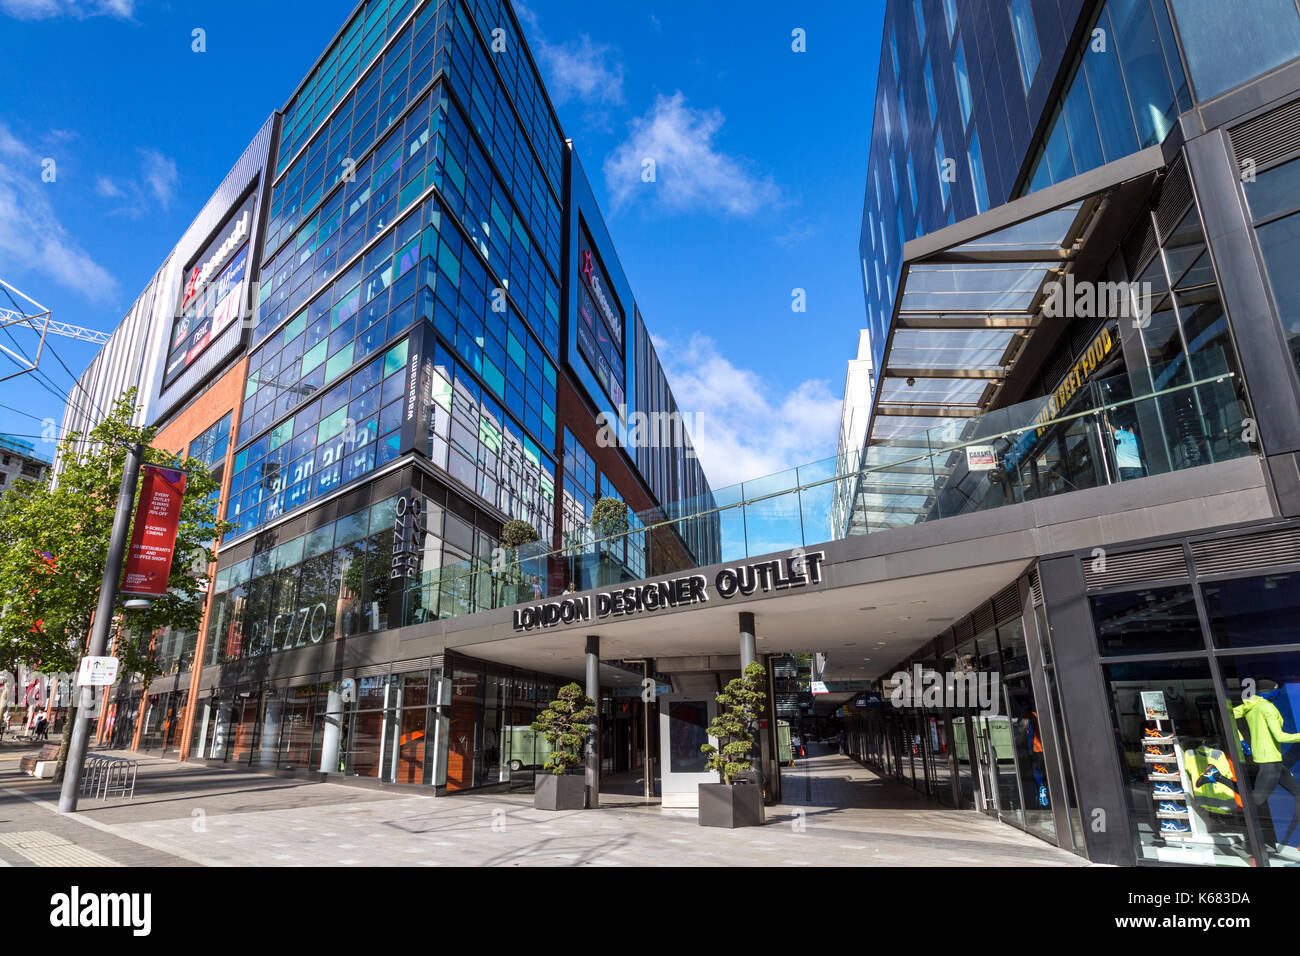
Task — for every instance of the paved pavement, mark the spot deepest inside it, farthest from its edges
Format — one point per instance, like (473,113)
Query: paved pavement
(836,814)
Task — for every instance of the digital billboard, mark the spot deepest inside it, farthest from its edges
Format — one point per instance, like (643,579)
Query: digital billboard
(600,324)
(213,291)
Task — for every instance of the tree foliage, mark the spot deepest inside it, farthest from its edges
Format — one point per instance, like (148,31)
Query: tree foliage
(609,517)
(740,704)
(566,725)
(516,532)
(56,540)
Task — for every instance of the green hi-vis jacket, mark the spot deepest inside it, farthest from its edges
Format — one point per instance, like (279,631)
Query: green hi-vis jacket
(1265,724)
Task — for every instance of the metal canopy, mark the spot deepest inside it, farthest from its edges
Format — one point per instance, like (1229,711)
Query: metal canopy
(970,299)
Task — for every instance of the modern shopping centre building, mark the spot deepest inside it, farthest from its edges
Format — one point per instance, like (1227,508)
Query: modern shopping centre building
(1074,502)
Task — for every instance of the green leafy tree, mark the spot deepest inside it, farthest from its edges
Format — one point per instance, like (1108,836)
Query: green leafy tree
(516,532)
(609,517)
(740,704)
(566,725)
(507,575)
(56,538)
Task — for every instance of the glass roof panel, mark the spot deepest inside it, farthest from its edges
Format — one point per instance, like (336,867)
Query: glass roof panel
(932,391)
(902,426)
(1046,231)
(973,287)
(949,348)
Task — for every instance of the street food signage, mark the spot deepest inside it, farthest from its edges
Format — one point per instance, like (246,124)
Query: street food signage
(153,536)
(1099,349)
(782,574)
(1097,352)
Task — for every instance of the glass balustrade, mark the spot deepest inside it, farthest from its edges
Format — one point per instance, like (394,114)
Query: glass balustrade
(1085,435)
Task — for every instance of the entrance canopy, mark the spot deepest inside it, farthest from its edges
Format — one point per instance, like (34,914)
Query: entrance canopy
(971,296)
(969,331)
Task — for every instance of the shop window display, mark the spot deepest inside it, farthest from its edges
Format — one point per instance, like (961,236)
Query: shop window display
(1182,777)
(1263,692)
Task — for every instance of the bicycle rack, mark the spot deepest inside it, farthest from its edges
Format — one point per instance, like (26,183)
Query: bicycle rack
(106,777)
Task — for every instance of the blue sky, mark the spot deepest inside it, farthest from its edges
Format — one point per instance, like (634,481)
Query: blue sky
(761,152)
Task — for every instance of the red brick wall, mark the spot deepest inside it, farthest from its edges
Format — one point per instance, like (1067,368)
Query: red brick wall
(224,395)
(580,418)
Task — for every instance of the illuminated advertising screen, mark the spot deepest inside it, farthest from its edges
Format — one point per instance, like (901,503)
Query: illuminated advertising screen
(212,291)
(600,324)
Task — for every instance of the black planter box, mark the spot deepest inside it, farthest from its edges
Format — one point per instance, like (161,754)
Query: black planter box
(563,792)
(731,805)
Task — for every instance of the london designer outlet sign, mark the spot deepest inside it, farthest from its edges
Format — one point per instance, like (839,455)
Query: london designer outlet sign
(796,571)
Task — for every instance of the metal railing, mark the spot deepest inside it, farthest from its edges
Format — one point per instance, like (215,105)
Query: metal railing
(1153,421)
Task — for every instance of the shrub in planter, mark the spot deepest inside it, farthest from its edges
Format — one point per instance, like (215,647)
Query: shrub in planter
(738,800)
(565,724)
(515,533)
(609,518)
(608,521)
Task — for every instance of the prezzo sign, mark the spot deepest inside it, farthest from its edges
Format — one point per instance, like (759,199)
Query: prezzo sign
(409,530)
(796,571)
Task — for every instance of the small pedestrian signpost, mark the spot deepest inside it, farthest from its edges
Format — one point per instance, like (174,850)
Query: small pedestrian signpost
(97,672)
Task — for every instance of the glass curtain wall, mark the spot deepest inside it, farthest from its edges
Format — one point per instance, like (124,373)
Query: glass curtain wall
(1228,44)
(490,741)
(1274,200)
(1125,94)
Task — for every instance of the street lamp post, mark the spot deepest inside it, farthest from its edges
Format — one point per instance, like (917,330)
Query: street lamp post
(99,632)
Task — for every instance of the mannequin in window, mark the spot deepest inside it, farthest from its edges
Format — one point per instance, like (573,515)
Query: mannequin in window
(1260,744)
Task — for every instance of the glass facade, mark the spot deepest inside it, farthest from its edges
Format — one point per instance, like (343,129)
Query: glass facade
(1273,197)
(1125,93)
(946,79)
(1226,45)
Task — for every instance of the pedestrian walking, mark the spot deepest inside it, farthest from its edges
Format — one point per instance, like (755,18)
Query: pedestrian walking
(42,728)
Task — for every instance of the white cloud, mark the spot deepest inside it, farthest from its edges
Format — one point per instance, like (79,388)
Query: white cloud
(742,426)
(153,186)
(160,175)
(80,9)
(32,239)
(690,173)
(798,232)
(581,70)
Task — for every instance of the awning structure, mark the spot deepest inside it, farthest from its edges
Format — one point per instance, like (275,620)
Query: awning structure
(969,312)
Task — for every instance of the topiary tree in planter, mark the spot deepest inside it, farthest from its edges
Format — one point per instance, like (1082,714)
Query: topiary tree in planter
(516,533)
(608,520)
(734,802)
(566,725)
